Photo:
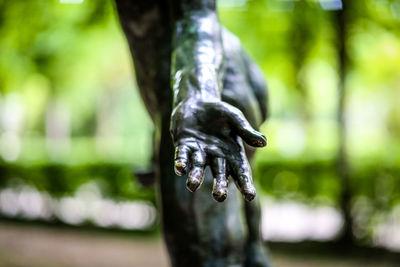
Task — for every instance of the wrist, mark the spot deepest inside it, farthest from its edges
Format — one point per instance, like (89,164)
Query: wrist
(198,83)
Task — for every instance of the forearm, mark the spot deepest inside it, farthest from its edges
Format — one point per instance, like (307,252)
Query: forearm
(197,59)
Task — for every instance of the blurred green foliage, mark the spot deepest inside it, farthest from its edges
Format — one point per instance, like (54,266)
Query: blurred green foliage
(70,111)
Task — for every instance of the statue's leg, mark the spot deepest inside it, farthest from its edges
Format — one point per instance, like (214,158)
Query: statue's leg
(255,251)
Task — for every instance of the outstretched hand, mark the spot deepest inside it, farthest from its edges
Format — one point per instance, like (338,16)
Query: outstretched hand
(211,133)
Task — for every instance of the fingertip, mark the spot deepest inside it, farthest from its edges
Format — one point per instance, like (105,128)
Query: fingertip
(247,188)
(220,188)
(180,167)
(192,184)
(182,153)
(256,139)
(249,196)
(220,195)
(195,179)
(262,141)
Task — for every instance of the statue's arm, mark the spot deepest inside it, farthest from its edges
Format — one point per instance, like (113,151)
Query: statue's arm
(197,58)
(206,130)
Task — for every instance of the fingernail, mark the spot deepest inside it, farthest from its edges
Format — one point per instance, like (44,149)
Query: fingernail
(220,189)
(192,184)
(180,167)
(220,195)
(249,191)
(249,196)
(262,141)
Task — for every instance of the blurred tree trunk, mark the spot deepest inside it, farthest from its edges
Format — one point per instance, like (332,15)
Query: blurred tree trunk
(301,37)
(342,24)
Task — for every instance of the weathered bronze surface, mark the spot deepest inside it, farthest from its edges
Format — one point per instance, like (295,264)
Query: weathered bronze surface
(199,86)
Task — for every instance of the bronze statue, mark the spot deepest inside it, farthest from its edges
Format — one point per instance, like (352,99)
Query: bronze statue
(199,86)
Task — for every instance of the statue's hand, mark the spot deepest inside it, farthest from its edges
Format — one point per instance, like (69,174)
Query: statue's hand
(210,133)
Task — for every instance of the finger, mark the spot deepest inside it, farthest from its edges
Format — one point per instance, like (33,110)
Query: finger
(182,153)
(220,186)
(196,174)
(243,127)
(241,173)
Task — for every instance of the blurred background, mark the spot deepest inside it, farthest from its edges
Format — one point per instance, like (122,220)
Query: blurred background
(73,129)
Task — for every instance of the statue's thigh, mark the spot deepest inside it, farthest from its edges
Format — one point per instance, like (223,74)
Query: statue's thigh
(198,230)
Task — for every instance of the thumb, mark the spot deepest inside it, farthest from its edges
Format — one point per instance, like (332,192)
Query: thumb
(243,127)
